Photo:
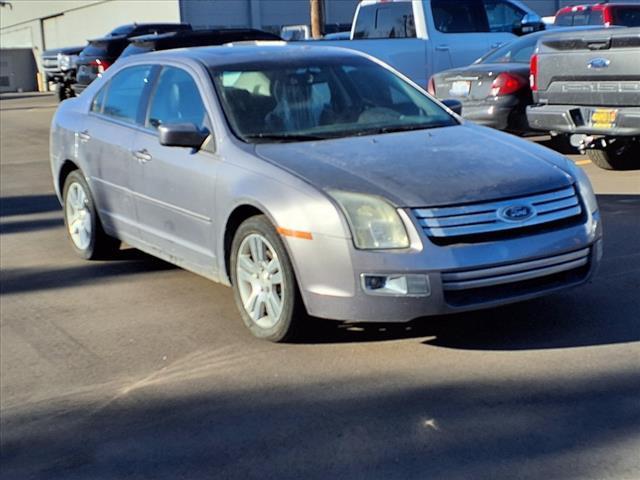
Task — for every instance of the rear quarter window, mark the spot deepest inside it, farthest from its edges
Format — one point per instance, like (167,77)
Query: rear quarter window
(390,20)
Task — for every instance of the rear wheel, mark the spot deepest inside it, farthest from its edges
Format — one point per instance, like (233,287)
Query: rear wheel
(264,284)
(83,225)
(616,157)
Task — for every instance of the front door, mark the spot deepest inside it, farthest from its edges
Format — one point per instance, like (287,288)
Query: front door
(174,187)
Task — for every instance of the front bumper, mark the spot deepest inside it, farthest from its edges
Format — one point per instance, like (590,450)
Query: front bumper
(460,277)
(577,119)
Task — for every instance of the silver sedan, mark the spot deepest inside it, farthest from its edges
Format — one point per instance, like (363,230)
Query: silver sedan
(316,181)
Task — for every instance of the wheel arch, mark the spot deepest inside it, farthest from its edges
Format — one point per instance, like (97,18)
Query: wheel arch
(67,167)
(239,214)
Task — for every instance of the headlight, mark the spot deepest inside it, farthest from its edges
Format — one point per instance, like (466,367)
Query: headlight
(64,62)
(584,187)
(374,223)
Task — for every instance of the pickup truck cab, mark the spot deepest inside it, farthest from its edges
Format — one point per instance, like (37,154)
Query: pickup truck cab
(423,37)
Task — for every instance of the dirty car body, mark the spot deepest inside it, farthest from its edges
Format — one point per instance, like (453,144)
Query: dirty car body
(471,217)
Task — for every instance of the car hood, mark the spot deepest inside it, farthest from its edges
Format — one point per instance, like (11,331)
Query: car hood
(435,167)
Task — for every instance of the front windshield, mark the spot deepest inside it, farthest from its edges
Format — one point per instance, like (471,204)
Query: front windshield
(307,100)
(518,51)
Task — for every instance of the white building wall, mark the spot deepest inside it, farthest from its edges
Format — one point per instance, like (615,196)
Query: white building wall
(42,24)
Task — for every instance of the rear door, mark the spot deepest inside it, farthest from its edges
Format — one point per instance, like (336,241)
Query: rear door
(174,186)
(106,141)
(464,30)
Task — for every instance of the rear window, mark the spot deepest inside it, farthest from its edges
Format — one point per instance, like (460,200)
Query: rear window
(626,16)
(518,51)
(134,49)
(391,20)
(94,50)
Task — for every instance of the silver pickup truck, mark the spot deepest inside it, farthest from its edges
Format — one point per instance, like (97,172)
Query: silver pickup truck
(586,85)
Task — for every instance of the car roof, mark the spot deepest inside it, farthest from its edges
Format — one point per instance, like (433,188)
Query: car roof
(211,33)
(252,52)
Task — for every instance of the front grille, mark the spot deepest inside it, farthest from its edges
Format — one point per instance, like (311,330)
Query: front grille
(476,221)
(466,287)
(50,63)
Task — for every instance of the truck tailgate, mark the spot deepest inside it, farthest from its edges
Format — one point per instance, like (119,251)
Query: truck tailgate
(599,68)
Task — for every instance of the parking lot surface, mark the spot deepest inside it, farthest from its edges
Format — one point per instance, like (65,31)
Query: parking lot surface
(133,368)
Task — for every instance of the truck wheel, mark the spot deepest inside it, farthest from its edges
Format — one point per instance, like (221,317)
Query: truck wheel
(615,158)
(64,92)
(264,284)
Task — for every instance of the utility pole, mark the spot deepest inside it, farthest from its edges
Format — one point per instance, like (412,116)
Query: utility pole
(317,18)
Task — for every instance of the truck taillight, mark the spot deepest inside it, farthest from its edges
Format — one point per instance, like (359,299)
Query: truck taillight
(607,17)
(533,73)
(431,87)
(100,65)
(506,84)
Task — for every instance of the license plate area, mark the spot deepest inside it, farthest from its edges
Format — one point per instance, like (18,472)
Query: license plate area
(460,88)
(603,117)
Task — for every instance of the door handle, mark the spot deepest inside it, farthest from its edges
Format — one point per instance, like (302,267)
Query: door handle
(442,48)
(84,136)
(143,156)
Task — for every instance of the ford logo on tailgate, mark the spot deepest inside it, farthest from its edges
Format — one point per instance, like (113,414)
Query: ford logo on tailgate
(598,63)
(516,213)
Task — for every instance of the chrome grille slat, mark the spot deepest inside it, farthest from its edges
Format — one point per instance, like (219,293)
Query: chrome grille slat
(447,222)
(517,272)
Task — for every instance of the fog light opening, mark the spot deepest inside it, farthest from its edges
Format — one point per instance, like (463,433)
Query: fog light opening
(396,284)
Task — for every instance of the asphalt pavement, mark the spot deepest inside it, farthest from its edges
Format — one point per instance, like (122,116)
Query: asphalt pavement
(135,369)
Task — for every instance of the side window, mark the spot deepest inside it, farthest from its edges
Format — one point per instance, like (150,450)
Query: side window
(461,16)
(98,100)
(564,20)
(125,92)
(596,17)
(502,16)
(391,20)
(176,100)
(581,17)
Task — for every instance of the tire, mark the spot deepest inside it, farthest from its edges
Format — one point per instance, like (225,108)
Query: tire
(263,280)
(82,223)
(615,158)
(64,91)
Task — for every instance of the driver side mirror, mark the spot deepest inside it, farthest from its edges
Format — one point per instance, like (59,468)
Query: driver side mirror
(530,22)
(454,105)
(182,135)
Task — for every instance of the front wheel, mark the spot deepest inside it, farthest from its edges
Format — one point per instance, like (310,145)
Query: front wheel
(81,219)
(264,284)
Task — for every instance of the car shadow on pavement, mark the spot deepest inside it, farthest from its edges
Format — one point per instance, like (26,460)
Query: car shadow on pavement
(28,204)
(363,427)
(604,311)
(127,262)
(25,226)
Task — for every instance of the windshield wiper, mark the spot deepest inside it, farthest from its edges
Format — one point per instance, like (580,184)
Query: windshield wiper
(284,137)
(402,128)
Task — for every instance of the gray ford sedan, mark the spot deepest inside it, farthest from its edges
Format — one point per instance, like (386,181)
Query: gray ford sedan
(316,181)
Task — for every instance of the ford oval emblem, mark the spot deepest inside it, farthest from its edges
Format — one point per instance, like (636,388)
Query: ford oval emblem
(598,63)
(516,213)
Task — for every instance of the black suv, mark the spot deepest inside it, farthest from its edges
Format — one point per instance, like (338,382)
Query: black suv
(195,38)
(100,53)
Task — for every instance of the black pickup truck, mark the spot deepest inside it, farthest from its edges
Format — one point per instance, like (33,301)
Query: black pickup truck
(586,85)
